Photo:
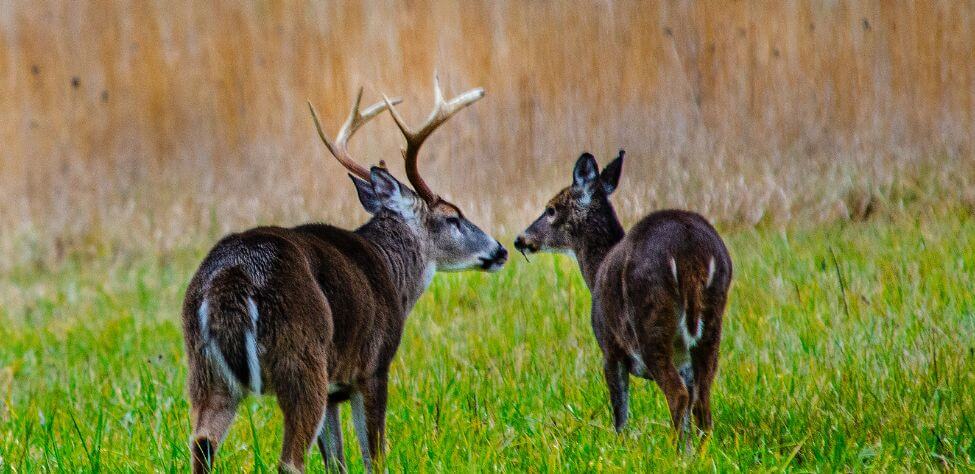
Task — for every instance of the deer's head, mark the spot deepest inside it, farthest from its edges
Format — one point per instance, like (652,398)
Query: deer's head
(576,211)
(454,243)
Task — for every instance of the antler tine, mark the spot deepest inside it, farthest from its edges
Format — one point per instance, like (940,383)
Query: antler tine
(442,111)
(437,91)
(340,148)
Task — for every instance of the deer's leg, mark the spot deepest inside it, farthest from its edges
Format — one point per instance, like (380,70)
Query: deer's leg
(212,414)
(657,341)
(618,381)
(375,399)
(302,398)
(330,440)
(678,398)
(369,415)
(705,362)
(704,359)
(357,402)
(687,374)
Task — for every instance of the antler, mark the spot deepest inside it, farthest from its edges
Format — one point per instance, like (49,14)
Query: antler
(442,110)
(340,149)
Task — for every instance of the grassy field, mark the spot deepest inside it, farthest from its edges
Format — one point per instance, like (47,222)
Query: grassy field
(826,139)
(846,347)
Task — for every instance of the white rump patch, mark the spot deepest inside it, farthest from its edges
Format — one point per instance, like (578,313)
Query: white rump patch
(710,273)
(690,339)
(250,344)
(673,269)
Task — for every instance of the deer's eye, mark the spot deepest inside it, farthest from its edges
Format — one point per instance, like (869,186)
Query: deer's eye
(454,221)
(550,211)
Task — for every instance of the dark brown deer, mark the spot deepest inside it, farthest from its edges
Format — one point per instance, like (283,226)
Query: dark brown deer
(314,314)
(658,291)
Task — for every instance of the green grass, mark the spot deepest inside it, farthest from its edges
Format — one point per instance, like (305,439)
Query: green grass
(865,361)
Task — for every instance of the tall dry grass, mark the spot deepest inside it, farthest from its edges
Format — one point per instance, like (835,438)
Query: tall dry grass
(135,125)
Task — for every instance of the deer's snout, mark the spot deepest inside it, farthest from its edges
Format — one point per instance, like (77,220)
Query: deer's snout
(496,260)
(523,244)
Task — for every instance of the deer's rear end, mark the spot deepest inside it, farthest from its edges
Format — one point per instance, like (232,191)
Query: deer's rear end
(672,272)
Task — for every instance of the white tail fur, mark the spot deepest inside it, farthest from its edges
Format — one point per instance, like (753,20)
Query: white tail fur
(212,351)
(250,343)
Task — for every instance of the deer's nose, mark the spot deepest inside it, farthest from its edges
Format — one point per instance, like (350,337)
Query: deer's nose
(496,260)
(520,243)
(501,254)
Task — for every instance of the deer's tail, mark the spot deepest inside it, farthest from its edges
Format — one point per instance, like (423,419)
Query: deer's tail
(691,287)
(228,319)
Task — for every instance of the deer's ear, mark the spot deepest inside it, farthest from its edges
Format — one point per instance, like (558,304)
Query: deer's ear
(586,172)
(367,196)
(610,177)
(390,193)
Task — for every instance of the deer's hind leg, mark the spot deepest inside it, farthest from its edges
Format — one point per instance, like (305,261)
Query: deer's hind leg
(297,361)
(618,382)
(657,334)
(302,398)
(330,440)
(704,359)
(213,408)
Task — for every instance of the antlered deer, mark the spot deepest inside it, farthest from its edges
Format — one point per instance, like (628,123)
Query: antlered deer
(658,291)
(314,314)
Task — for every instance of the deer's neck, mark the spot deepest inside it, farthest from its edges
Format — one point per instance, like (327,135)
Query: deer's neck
(405,254)
(594,242)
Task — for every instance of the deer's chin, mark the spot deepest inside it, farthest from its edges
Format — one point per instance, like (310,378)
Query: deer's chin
(492,266)
(486,263)
(461,267)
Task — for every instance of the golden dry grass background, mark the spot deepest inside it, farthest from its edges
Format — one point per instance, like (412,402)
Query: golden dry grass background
(149,125)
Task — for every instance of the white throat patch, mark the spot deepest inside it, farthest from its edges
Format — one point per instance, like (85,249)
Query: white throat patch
(428,274)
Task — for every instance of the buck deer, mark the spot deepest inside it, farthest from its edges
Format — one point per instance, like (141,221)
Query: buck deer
(314,314)
(658,291)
